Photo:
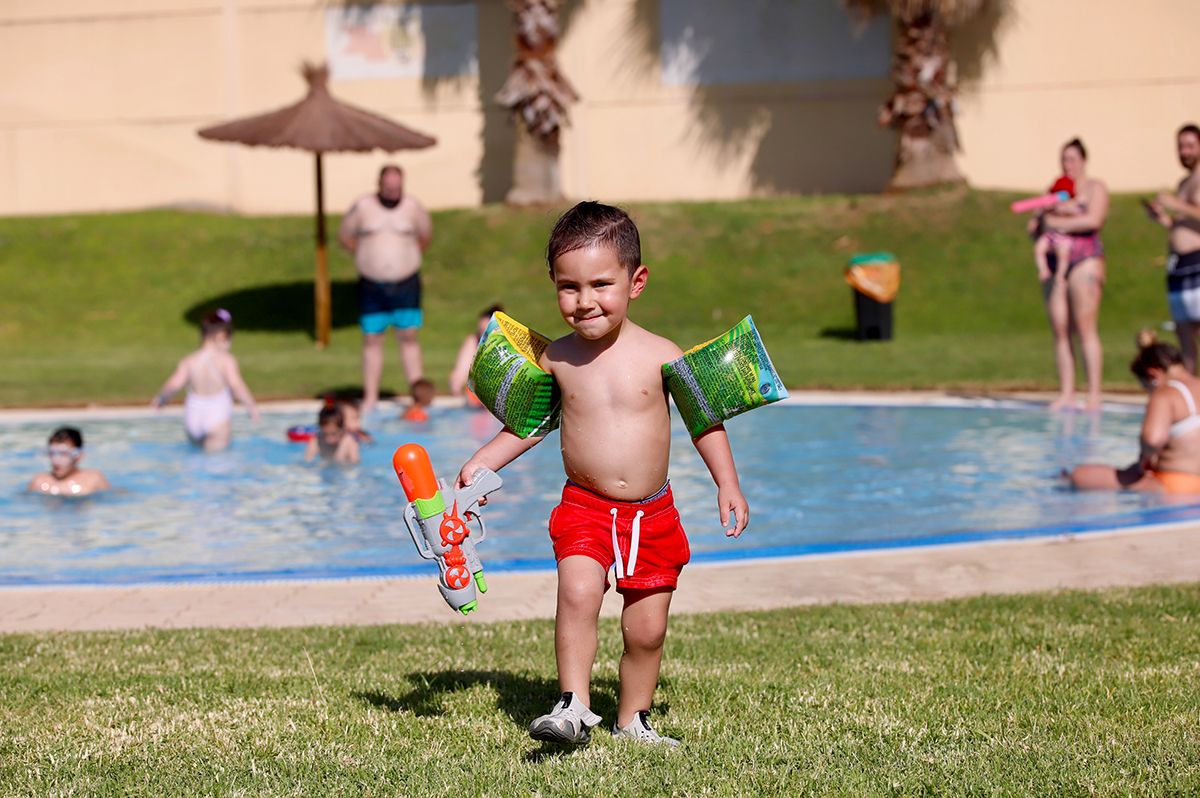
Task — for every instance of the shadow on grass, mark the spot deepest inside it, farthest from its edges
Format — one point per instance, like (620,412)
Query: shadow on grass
(522,698)
(839,333)
(283,307)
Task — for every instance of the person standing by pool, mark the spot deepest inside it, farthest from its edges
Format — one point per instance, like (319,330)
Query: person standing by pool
(1169,460)
(65,477)
(388,233)
(617,508)
(1073,304)
(1180,213)
(213,379)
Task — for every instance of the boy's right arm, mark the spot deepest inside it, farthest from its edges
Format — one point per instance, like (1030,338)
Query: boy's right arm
(495,454)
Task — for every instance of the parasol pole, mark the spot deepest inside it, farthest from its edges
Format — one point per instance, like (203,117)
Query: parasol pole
(321,288)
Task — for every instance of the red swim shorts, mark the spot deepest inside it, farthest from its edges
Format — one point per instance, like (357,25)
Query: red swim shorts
(644,540)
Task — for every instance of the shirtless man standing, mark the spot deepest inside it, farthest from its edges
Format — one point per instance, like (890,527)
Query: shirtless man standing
(387,233)
(1180,213)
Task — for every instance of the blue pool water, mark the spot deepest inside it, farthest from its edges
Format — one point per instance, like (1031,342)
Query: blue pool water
(818,478)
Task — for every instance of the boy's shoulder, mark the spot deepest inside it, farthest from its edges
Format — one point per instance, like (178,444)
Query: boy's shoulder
(657,345)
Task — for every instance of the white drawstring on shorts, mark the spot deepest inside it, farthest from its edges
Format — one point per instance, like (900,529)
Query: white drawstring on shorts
(622,570)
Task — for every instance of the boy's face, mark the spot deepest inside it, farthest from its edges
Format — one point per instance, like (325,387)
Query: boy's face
(594,290)
(63,459)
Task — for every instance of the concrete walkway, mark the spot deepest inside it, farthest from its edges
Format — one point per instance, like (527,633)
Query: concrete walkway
(1148,555)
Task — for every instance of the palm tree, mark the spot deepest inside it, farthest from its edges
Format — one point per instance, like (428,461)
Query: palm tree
(538,95)
(922,105)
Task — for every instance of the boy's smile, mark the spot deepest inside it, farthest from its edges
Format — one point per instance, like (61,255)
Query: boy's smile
(594,290)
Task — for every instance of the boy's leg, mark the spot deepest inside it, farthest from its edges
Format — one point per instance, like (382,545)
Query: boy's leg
(644,628)
(580,594)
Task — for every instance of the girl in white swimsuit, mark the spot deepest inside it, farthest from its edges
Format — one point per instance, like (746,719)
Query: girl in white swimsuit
(213,379)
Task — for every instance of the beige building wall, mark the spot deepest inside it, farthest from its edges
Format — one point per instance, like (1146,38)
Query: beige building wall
(1122,77)
(100,101)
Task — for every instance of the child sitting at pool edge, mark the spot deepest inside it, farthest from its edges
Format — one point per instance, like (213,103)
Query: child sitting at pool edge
(617,506)
(332,441)
(65,477)
(213,379)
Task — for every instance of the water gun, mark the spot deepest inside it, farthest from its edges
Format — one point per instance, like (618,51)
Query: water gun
(1039,203)
(1062,190)
(443,534)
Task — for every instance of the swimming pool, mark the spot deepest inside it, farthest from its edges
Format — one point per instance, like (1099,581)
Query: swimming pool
(818,478)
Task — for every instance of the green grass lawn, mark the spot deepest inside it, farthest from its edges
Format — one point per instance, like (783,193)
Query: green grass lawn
(99,308)
(1076,693)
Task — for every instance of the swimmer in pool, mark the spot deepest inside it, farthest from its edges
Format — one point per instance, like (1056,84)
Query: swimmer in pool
(333,440)
(65,477)
(423,392)
(213,379)
(1169,461)
(352,417)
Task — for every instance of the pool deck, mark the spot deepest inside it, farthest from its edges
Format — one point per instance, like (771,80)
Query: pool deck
(1160,554)
(1141,556)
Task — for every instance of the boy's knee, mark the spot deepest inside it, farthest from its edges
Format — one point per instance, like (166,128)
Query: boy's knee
(646,636)
(578,594)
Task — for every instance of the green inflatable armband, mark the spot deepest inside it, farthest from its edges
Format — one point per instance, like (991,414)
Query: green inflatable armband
(506,378)
(721,378)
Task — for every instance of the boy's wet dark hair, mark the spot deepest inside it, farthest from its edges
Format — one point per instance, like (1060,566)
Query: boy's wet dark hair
(67,435)
(593,224)
(331,414)
(215,321)
(423,391)
(1153,354)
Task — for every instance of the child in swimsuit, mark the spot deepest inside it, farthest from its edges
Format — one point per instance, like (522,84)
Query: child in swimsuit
(213,379)
(1052,242)
(333,441)
(1170,441)
(466,352)
(65,477)
(423,393)
(617,509)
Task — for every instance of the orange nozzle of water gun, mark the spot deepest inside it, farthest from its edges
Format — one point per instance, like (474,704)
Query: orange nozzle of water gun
(415,472)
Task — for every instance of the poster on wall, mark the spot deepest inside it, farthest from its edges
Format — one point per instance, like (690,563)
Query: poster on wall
(714,42)
(377,40)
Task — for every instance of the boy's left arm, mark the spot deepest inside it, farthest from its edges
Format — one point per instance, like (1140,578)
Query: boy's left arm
(713,446)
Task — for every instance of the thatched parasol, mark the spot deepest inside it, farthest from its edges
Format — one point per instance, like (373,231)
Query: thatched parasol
(320,124)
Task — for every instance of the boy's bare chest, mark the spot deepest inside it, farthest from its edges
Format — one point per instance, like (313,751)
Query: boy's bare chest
(628,386)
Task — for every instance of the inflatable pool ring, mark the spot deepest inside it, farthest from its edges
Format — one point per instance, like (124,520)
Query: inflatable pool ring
(302,432)
(722,378)
(506,378)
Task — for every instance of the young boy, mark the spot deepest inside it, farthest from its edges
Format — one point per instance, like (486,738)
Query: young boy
(332,441)
(617,507)
(65,477)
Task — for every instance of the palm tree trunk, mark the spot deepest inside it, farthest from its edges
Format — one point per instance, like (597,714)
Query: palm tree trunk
(538,95)
(922,106)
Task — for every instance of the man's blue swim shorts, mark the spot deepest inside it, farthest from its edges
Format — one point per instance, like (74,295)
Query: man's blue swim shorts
(383,305)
